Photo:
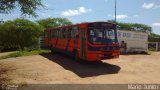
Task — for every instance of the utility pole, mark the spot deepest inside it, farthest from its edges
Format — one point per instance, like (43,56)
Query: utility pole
(116,11)
(116,20)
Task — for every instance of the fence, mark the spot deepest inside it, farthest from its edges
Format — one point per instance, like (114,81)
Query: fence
(41,42)
(155,46)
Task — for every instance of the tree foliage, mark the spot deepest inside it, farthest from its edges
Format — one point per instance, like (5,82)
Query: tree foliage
(26,6)
(19,33)
(154,37)
(54,22)
(133,27)
(140,28)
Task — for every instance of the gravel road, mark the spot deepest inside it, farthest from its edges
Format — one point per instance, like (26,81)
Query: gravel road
(59,69)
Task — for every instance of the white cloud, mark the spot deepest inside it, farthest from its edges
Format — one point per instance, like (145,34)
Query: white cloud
(79,11)
(156,24)
(151,5)
(120,16)
(148,5)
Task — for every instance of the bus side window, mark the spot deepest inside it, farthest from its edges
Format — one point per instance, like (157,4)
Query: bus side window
(69,33)
(53,33)
(74,32)
(77,33)
(64,33)
(57,33)
(60,33)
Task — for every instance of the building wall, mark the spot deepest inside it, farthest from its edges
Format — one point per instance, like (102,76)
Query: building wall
(131,41)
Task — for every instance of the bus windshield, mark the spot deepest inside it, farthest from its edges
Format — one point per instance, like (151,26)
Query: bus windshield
(101,36)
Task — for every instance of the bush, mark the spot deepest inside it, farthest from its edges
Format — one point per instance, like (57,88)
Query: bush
(19,33)
(152,49)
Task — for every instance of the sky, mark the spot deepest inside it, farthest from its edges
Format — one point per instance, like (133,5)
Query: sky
(78,11)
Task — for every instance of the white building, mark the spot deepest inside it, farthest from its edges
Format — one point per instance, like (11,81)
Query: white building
(132,41)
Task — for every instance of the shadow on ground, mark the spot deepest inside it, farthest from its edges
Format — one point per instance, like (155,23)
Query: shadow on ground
(82,68)
(136,53)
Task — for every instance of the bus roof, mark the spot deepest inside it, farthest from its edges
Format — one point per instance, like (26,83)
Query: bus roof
(79,24)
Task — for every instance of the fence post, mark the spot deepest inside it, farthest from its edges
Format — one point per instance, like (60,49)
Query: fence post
(39,42)
(156,46)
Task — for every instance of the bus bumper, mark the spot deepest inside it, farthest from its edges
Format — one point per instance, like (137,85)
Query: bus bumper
(102,55)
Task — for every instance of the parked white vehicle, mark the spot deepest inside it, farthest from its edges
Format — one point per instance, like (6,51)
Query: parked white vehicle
(132,41)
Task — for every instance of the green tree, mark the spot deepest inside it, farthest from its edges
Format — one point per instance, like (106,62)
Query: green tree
(154,37)
(138,27)
(54,22)
(19,33)
(26,6)
(133,26)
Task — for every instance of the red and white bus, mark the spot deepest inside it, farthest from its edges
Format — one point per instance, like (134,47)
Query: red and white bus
(88,41)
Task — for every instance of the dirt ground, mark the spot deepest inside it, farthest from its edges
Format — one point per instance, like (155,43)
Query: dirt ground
(60,69)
